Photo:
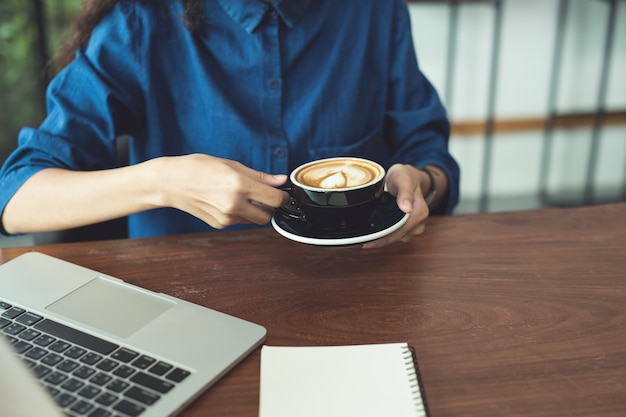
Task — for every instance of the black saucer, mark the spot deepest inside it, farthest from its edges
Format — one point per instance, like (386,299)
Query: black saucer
(387,219)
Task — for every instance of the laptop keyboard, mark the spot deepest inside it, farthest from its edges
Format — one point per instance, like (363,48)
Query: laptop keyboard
(87,375)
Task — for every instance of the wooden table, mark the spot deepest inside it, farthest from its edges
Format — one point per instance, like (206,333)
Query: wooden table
(511,314)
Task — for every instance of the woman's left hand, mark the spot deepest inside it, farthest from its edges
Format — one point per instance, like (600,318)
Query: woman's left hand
(408,184)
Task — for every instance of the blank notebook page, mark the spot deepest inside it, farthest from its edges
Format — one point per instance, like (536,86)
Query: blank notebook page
(339,381)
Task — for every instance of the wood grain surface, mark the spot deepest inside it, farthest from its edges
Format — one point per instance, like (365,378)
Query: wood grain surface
(511,314)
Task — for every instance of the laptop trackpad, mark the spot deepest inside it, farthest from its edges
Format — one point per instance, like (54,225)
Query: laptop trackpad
(111,306)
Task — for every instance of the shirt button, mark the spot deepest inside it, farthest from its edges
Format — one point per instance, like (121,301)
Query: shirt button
(279,152)
(274,84)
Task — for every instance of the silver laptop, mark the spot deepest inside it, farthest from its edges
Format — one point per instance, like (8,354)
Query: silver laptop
(104,348)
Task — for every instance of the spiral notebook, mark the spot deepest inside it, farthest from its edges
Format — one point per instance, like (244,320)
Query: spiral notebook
(338,381)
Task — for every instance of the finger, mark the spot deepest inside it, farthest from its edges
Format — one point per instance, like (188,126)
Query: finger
(273,180)
(270,198)
(230,211)
(414,225)
(258,214)
(400,235)
(262,187)
(218,219)
(244,211)
(417,230)
(250,212)
(401,185)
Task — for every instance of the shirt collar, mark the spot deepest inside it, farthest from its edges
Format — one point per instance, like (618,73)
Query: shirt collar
(249,13)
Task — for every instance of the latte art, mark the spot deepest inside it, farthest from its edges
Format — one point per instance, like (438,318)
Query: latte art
(336,174)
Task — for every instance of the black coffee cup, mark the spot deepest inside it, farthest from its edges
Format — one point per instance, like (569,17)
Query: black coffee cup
(336,193)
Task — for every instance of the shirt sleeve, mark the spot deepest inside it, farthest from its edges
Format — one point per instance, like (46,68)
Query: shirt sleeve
(91,102)
(416,123)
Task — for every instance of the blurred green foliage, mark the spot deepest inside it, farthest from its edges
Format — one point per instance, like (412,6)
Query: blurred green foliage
(23,61)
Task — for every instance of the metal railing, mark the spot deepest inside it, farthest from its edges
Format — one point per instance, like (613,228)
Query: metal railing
(587,191)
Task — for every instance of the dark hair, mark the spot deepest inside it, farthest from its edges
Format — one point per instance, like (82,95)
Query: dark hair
(92,11)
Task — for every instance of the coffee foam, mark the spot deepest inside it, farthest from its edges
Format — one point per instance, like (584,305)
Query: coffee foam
(335,174)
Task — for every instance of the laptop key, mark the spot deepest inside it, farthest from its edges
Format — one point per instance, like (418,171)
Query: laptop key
(41,371)
(106,399)
(81,407)
(76,336)
(53,391)
(118,385)
(124,371)
(65,399)
(22,346)
(72,385)
(152,382)
(143,396)
(90,358)
(14,329)
(143,362)
(28,318)
(75,352)
(84,372)
(52,359)
(100,379)
(29,334)
(44,340)
(107,365)
(128,408)
(89,391)
(68,365)
(55,378)
(36,353)
(160,368)
(59,346)
(124,355)
(99,412)
(13,312)
(178,375)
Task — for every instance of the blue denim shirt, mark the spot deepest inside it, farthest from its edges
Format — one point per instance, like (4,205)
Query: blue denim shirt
(272,86)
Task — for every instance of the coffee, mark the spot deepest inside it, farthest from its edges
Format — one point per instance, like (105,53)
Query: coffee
(338,173)
(336,193)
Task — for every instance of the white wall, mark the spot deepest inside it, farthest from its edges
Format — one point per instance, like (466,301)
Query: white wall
(523,85)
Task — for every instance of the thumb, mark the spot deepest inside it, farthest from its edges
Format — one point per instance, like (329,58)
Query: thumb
(401,186)
(405,200)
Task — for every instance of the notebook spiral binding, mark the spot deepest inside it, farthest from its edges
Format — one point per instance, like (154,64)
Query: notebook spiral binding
(410,361)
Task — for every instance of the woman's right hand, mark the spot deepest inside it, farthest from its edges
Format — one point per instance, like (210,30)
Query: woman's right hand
(218,191)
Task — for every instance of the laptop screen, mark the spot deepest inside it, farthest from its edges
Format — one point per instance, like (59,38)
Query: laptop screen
(21,395)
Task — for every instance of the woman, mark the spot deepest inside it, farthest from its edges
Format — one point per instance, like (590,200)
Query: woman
(222,98)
